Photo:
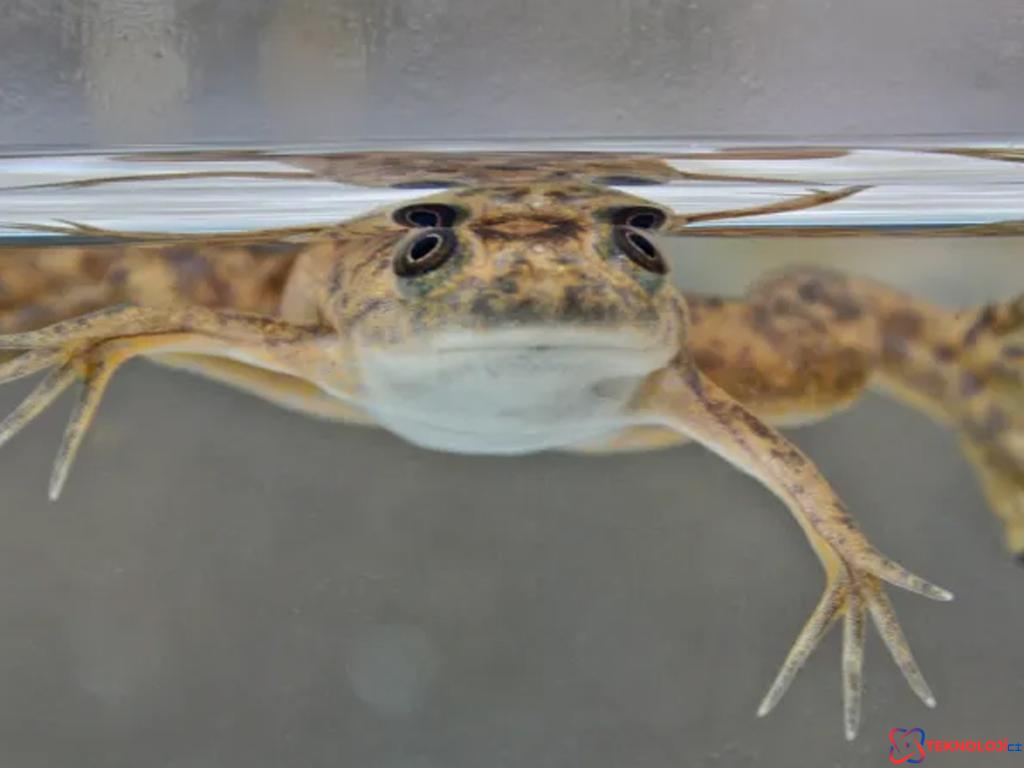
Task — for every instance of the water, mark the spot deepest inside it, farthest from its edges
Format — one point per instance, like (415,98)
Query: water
(927,189)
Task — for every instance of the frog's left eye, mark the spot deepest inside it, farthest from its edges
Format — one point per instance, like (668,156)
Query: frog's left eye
(424,252)
(639,217)
(426,215)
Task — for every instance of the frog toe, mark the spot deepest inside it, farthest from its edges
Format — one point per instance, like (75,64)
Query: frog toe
(851,595)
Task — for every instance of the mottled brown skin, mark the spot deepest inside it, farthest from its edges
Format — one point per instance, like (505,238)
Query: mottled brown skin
(294,323)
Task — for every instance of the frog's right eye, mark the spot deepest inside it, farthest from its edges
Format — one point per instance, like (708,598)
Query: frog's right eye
(639,217)
(425,252)
(426,215)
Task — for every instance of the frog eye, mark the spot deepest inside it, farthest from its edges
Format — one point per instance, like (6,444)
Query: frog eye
(638,249)
(639,217)
(424,253)
(426,215)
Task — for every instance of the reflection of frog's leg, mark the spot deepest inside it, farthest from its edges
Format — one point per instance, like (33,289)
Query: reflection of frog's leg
(93,347)
(683,399)
(80,230)
(678,223)
(171,176)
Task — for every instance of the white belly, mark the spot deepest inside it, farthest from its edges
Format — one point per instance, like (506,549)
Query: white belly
(507,392)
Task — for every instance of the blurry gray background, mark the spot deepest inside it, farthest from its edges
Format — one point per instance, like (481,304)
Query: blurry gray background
(101,72)
(228,584)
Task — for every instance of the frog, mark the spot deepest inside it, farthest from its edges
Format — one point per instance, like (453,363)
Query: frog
(511,318)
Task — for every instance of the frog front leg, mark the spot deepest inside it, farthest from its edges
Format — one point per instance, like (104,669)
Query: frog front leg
(683,399)
(92,347)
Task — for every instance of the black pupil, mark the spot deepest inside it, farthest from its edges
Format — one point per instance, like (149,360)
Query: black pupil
(642,220)
(642,244)
(424,247)
(424,217)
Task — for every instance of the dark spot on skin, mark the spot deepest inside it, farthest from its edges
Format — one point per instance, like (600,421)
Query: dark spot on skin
(482,307)
(692,378)
(507,285)
(572,304)
(986,318)
(509,194)
(523,311)
(782,306)
(944,353)
(337,279)
(852,369)
(970,384)
(844,309)
(1011,352)
(708,359)
(548,229)
(368,261)
(755,425)
(276,248)
(788,456)
(276,281)
(905,324)
(811,291)
(94,266)
(761,319)
(370,306)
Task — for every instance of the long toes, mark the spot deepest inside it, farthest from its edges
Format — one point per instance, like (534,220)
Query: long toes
(48,390)
(851,595)
(28,363)
(817,626)
(854,634)
(888,626)
(94,385)
(895,574)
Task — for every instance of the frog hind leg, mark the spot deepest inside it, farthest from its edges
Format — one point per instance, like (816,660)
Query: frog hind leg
(968,372)
(807,342)
(836,334)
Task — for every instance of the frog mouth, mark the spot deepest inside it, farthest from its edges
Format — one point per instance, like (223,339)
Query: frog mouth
(545,342)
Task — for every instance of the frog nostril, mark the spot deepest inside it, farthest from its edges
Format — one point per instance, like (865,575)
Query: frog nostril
(640,250)
(424,253)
